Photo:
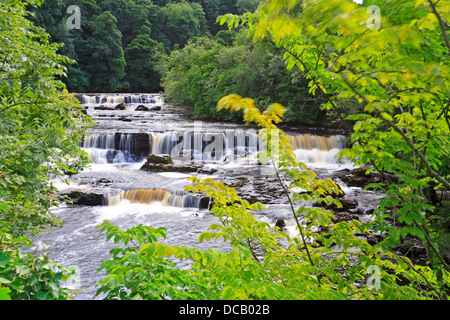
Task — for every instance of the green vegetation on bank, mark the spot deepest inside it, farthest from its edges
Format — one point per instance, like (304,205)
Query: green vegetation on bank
(111,31)
(40,129)
(207,69)
(177,47)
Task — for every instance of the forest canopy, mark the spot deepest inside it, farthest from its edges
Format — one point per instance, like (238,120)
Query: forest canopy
(180,48)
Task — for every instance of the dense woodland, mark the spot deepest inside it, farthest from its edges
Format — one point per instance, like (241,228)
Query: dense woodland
(263,62)
(177,47)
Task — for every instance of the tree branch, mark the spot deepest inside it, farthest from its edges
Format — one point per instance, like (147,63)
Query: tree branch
(441,23)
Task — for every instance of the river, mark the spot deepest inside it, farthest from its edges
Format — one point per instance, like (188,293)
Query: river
(118,145)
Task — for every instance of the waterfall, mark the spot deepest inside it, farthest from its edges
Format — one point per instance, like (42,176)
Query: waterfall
(220,147)
(148,196)
(116,99)
(310,142)
(103,148)
(204,147)
(162,143)
(100,141)
(317,149)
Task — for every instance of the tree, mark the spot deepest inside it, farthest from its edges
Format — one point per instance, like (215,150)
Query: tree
(183,21)
(213,67)
(40,129)
(140,56)
(107,62)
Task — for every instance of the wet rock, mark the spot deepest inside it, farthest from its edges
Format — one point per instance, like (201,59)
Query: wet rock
(359,178)
(414,249)
(120,106)
(341,216)
(163,163)
(159,158)
(86,197)
(205,203)
(264,189)
(141,107)
(161,167)
(207,171)
(349,203)
(124,119)
(103,107)
(281,224)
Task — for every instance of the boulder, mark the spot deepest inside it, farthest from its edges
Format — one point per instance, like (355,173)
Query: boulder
(347,204)
(120,106)
(141,107)
(103,107)
(281,224)
(358,177)
(159,158)
(164,163)
(85,197)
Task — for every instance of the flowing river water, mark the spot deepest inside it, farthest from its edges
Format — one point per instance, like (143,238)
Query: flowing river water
(118,145)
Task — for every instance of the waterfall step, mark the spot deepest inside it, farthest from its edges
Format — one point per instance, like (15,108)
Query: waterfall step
(216,147)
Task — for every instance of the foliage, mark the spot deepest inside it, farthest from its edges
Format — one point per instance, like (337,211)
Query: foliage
(136,272)
(140,56)
(31,277)
(40,129)
(183,21)
(109,27)
(105,44)
(209,68)
(399,73)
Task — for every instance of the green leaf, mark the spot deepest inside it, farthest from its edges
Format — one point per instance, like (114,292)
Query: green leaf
(227,292)
(149,249)
(4,259)
(4,293)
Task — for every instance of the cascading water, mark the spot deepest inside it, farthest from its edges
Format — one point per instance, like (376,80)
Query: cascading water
(116,99)
(205,147)
(148,196)
(317,149)
(103,148)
